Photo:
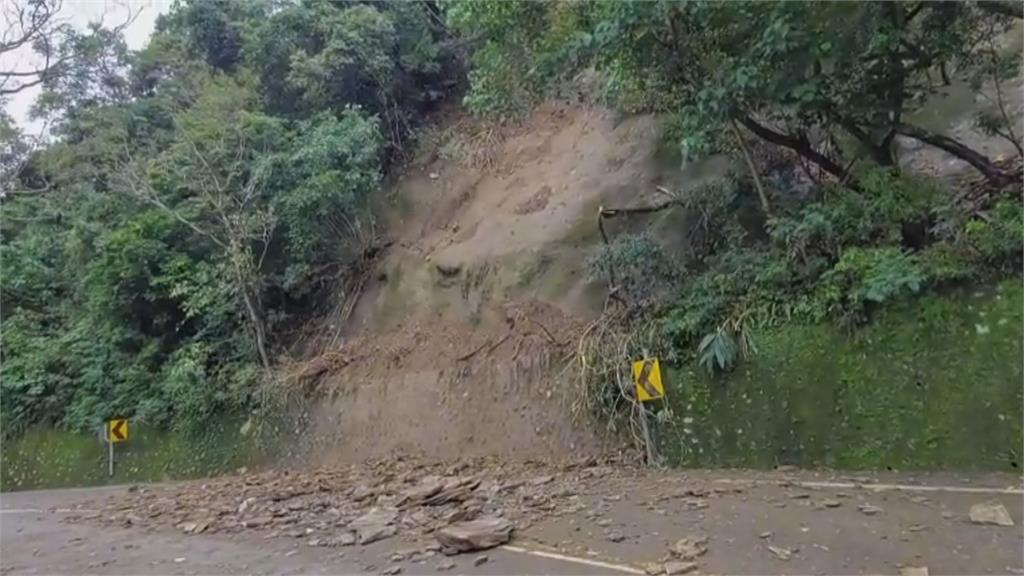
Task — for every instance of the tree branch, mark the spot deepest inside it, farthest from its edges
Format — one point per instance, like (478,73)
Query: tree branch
(979,161)
(1014,9)
(800,145)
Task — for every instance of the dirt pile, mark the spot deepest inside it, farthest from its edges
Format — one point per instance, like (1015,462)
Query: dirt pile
(449,508)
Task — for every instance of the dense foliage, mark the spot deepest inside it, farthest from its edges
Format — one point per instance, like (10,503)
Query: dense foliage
(930,384)
(817,219)
(197,197)
(827,81)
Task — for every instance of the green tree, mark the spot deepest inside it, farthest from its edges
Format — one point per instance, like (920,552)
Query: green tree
(807,76)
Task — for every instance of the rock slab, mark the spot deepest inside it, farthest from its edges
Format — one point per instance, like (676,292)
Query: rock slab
(479,534)
(990,513)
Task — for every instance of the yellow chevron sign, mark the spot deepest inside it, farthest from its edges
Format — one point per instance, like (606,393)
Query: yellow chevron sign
(647,376)
(117,430)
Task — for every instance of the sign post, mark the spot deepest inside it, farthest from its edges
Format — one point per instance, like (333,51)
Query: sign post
(117,431)
(649,388)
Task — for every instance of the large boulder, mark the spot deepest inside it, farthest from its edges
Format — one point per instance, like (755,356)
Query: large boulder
(479,534)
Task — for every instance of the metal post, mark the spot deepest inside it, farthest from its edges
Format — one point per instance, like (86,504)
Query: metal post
(110,457)
(652,456)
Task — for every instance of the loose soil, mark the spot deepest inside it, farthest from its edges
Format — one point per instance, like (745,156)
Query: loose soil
(460,340)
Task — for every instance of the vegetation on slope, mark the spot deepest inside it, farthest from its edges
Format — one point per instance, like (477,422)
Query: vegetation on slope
(198,198)
(930,384)
(201,197)
(817,220)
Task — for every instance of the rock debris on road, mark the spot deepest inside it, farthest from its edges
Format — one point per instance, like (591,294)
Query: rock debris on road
(405,516)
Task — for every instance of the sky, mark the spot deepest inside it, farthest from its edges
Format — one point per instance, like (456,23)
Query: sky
(80,13)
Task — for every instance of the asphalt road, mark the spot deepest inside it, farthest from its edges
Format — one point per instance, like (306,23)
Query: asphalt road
(924,524)
(34,539)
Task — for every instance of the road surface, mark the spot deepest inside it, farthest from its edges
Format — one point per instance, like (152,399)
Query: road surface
(754,522)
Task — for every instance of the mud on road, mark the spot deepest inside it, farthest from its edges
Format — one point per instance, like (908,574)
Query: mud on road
(585,517)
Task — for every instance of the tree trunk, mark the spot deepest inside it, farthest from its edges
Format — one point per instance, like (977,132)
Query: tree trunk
(992,173)
(753,169)
(801,146)
(880,153)
(258,328)
(1011,8)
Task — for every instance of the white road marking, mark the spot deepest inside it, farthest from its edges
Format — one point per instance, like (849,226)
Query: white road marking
(575,559)
(884,487)
(52,510)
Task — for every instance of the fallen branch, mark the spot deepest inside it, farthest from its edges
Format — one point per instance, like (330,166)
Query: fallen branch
(519,344)
(499,342)
(546,333)
(474,351)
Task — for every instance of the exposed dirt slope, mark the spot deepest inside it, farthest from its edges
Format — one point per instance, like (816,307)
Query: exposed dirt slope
(459,340)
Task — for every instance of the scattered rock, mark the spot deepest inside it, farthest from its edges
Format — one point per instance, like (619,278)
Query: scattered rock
(677,567)
(455,490)
(781,553)
(479,534)
(480,560)
(653,568)
(468,512)
(690,547)
(831,503)
(766,534)
(397,557)
(695,503)
(914,571)
(432,547)
(869,509)
(391,570)
(433,175)
(346,538)
(376,533)
(362,492)
(990,513)
(445,565)
(257,522)
(615,536)
(377,524)
(428,487)
(604,522)
(179,560)
(800,496)
(194,527)
(246,505)
(541,480)
(948,515)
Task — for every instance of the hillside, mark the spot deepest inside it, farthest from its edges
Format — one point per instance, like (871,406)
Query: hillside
(449,228)
(460,341)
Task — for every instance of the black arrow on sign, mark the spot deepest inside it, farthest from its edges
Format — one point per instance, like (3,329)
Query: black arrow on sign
(643,380)
(117,430)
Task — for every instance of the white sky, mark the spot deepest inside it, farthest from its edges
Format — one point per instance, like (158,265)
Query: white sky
(80,13)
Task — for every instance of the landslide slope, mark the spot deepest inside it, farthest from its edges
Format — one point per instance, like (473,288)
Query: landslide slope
(458,342)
